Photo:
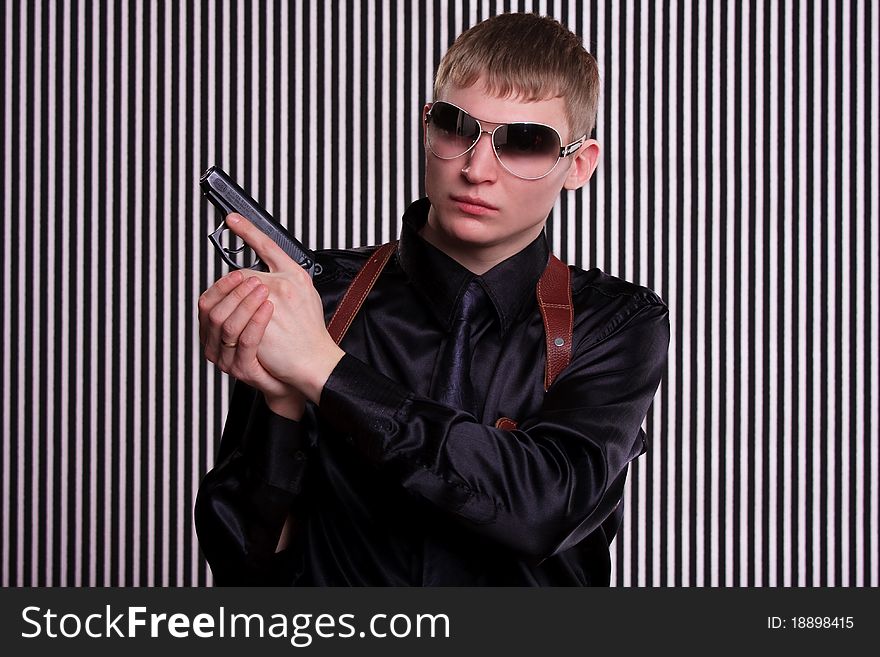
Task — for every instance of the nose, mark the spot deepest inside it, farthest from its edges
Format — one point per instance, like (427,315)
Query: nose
(482,164)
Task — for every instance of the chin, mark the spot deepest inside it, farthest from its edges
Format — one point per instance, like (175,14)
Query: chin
(473,230)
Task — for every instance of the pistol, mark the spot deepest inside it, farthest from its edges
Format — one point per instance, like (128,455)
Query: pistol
(228,197)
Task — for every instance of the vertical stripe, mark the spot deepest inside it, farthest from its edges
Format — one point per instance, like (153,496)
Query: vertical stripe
(717,187)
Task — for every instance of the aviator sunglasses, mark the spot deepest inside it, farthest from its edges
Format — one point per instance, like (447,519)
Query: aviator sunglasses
(527,150)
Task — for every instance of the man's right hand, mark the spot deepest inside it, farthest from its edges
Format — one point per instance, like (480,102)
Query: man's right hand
(233,316)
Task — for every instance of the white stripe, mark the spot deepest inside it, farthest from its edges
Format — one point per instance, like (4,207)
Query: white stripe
(186,304)
(344,153)
(760,362)
(688,291)
(718,279)
(845,286)
(110,364)
(330,123)
(168,214)
(672,273)
(731,366)
(702,305)
(743,139)
(152,205)
(819,173)
(63,323)
(91,473)
(384,218)
(310,212)
(80,382)
(299,80)
(35,439)
(645,251)
(135,332)
(613,92)
(789,413)
(200,383)
(859,311)
(830,304)
(803,320)
(659,259)
(874,557)
(286,119)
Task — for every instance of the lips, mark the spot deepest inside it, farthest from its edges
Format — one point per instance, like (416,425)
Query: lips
(473,205)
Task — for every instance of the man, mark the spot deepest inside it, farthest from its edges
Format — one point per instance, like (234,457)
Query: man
(456,435)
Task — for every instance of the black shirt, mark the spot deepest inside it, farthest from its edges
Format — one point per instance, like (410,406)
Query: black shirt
(388,487)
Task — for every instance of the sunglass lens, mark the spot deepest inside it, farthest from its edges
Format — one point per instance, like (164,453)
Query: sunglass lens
(528,150)
(451,132)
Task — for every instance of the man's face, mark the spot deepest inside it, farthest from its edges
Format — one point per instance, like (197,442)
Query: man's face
(481,213)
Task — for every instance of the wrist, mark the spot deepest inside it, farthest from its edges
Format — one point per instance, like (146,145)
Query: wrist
(320,371)
(292,405)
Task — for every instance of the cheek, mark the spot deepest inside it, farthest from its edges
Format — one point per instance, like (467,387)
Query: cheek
(439,173)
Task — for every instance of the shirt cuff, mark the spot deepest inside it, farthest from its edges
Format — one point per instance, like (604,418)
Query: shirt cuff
(363,403)
(277,452)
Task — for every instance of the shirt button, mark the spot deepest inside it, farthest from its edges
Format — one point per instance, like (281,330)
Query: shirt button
(383,425)
(299,455)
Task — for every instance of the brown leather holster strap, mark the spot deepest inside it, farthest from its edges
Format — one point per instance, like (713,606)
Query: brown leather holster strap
(554,300)
(358,290)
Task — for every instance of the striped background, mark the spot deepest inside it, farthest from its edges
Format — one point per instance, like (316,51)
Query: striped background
(739,180)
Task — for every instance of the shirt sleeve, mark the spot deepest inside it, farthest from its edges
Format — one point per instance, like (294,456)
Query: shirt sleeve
(245,499)
(546,485)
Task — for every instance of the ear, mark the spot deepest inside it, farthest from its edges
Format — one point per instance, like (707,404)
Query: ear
(425,111)
(585,162)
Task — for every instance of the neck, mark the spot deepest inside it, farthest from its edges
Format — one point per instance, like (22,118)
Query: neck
(476,258)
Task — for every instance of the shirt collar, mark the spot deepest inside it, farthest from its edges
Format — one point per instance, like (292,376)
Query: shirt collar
(441,280)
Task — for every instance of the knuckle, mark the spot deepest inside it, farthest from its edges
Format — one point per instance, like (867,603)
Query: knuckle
(216,318)
(227,332)
(248,340)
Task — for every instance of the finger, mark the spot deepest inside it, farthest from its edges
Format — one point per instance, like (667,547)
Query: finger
(252,333)
(221,311)
(238,319)
(247,363)
(213,295)
(263,245)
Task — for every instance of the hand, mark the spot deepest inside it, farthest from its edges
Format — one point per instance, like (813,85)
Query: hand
(233,315)
(295,347)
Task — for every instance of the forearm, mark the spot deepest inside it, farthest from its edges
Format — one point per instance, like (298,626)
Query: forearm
(554,479)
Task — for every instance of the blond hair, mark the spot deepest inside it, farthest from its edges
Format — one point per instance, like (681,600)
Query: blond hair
(529,57)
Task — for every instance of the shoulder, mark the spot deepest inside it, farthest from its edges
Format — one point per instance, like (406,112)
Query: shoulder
(341,265)
(596,284)
(605,304)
